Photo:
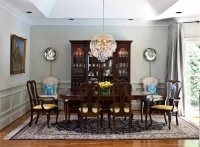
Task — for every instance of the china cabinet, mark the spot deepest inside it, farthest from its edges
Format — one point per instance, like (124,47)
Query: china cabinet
(85,67)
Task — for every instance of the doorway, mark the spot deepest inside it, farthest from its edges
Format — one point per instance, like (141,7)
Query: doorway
(192,77)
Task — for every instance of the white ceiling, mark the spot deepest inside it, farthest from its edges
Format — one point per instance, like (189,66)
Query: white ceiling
(116,12)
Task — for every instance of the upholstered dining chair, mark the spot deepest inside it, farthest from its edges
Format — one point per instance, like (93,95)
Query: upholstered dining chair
(121,106)
(172,98)
(150,84)
(50,87)
(39,104)
(90,107)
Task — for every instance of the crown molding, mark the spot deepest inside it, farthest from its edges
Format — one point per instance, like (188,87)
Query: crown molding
(111,22)
(14,11)
(189,19)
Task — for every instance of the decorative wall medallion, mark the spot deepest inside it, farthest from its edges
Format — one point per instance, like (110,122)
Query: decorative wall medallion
(50,54)
(150,54)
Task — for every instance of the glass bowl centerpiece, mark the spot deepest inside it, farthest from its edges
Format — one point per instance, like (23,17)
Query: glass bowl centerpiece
(105,87)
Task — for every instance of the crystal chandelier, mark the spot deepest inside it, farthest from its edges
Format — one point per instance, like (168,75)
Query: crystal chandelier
(103,45)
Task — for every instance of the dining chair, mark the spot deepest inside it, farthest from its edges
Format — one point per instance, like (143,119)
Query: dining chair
(121,106)
(90,103)
(50,87)
(118,81)
(73,106)
(150,84)
(39,104)
(172,99)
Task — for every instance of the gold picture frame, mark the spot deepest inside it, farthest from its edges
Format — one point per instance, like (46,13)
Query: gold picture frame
(18,55)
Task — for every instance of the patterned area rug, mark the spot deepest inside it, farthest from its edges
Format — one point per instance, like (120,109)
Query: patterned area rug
(159,130)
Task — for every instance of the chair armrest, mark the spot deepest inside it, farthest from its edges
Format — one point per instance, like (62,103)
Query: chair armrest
(158,98)
(176,101)
(44,96)
(48,99)
(39,102)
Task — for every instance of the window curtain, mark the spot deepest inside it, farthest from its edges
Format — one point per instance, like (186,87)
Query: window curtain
(174,66)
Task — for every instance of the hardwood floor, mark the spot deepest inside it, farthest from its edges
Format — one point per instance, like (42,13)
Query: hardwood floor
(88,143)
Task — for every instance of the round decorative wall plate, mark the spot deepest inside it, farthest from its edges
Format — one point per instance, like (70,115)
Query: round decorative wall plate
(50,54)
(150,54)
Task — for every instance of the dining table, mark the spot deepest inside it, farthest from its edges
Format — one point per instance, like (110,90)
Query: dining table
(144,97)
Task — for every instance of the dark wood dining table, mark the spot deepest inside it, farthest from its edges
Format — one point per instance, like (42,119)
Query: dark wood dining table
(135,95)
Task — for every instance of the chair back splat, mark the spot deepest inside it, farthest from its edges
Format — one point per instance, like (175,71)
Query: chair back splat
(32,92)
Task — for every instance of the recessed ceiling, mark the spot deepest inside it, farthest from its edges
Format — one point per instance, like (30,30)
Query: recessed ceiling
(116,12)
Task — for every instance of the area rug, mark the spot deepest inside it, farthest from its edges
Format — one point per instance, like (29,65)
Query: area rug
(71,131)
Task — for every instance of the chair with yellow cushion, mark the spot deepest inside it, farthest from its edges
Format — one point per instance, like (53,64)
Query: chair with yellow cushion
(172,98)
(90,103)
(39,104)
(121,106)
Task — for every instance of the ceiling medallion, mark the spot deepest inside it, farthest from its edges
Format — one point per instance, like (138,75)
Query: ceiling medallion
(103,45)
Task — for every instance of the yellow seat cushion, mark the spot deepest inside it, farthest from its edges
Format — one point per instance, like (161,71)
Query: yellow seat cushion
(162,107)
(117,108)
(94,108)
(46,106)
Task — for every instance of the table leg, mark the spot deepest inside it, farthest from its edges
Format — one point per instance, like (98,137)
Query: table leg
(141,111)
(65,110)
(146,111)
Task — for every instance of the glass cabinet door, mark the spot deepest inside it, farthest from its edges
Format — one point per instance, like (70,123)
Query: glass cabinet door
(99,71)
(93,69)
(123,64)
(107,70)
(78,69)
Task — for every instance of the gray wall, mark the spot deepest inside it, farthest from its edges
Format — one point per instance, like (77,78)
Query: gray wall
(191,30)
(58,37)
(13,94)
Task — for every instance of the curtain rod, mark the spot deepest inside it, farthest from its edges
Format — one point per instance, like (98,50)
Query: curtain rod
(192,22)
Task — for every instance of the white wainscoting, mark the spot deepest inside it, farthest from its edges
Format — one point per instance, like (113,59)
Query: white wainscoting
(6,104)
(14,103)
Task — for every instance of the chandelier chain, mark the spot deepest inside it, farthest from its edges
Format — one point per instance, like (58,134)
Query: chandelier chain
(103,16)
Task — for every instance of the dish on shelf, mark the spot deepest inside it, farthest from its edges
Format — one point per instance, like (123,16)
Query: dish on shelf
(94,79)
(90,73)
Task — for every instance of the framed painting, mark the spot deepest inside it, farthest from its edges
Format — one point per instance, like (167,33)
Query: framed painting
(18,55)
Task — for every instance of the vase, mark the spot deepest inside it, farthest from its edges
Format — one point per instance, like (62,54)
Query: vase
(105,91)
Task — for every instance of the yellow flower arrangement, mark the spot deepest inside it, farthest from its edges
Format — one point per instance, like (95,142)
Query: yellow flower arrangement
(105,84)
(105,87)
